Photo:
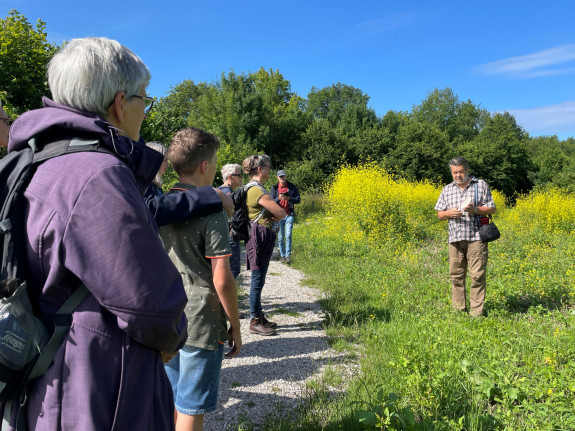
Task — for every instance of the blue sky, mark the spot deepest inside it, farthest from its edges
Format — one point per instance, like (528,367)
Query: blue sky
(506,55)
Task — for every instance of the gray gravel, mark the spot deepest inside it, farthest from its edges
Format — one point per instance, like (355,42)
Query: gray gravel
(270,374)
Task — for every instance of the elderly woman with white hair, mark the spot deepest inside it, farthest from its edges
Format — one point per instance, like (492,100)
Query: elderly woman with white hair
(233,178)
(87,222)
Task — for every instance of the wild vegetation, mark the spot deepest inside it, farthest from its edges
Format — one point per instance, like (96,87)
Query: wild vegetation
(374,244)
(311,136)
(380,253)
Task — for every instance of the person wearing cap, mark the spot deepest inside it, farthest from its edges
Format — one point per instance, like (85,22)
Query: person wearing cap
(286,195)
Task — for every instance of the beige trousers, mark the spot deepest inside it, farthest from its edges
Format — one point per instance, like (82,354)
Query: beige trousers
(472,256)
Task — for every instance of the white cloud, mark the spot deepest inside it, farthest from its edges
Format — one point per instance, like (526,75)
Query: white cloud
(556,119)
(532,65)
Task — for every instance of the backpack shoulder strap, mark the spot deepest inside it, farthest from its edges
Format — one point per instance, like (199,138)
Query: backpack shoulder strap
(62,323)
(262,188)
(16,171)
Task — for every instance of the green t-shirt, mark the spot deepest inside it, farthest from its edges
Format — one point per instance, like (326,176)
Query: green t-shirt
(254,208)
(190,244)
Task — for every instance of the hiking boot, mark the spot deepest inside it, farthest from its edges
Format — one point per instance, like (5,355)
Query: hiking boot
(288,260)
(257,327)
(267,323)
(283,260)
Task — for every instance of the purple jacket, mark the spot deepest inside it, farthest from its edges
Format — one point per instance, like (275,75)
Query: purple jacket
(87,221)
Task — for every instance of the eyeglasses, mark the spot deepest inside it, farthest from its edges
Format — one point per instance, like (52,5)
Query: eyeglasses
(7,121)
(236,175)
(148,102)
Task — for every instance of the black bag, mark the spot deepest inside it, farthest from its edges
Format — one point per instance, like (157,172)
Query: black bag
(239,221)
(26,346)
(489,232)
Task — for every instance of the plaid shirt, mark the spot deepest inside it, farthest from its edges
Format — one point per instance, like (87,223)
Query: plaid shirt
(465,228)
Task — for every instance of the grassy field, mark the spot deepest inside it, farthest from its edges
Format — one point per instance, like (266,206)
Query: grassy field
(380,253)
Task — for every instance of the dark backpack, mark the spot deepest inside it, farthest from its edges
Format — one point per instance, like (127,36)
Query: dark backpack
(26,346)
(239,221)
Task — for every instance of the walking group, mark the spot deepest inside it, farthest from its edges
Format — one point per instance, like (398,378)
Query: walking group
(145,346)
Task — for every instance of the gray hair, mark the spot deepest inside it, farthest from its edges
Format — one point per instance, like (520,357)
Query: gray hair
(88,73)
(157,146)
(459,161)
(229,169)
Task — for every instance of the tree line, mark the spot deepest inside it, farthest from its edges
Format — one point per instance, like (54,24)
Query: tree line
(257,112)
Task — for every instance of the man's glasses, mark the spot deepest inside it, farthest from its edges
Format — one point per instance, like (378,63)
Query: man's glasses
(148,102)
(7,121)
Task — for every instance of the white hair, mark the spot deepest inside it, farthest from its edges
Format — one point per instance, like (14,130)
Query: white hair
(229,169)
(88,73)
(157,146)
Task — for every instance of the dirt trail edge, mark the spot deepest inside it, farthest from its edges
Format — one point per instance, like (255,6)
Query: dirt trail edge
(270,374)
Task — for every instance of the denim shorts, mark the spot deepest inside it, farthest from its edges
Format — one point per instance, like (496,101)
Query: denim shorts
(195,377)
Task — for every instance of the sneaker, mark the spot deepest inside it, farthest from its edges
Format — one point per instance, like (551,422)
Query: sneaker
(288,260)
(283,260)
(257,327)
(267,323)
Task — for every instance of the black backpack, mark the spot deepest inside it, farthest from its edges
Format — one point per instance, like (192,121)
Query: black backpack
(26,346)
(239,221)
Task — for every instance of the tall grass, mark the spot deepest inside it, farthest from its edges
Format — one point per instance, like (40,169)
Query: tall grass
(381,255)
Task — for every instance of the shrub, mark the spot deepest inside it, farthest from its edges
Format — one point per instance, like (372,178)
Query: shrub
(548,211)
(365,201)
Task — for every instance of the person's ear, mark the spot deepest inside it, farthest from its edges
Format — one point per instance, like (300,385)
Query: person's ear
(204,167)
(118,107)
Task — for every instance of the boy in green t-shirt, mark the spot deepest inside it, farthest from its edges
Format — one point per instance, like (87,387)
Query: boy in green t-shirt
(200,249)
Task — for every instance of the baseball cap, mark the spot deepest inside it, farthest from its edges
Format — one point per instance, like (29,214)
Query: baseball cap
(281,173)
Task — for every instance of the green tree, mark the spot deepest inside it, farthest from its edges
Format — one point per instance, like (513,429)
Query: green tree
(421,152)
(170,113)
(326,149)
(462,121)
(24,56)
(499,155)
(552,160)
(343,106)
(250,113)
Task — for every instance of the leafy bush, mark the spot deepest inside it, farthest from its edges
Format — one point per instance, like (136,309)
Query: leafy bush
(365,201)
(550,210)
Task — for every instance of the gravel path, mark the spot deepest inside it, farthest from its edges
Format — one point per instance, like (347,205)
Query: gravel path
(269,375)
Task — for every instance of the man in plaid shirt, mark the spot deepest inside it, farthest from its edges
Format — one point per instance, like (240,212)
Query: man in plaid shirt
(461,202)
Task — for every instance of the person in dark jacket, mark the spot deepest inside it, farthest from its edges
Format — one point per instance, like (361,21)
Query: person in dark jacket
(172,208)
(156,186)
(87,222)
(4,127)
(233,177)
(286,195)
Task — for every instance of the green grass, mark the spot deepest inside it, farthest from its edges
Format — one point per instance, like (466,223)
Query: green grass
(425,367)
(291,313)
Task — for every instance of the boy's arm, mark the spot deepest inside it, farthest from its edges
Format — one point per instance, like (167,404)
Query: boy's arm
(227,292)
(175,207)
(227,201)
